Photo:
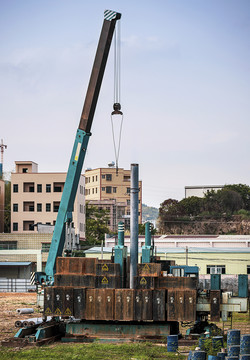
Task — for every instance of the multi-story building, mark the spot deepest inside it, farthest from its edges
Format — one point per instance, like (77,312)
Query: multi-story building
(35,198)
(2,192)
(115,209)
(104,184)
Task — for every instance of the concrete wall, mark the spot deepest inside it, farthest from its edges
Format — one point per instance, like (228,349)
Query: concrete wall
(24,242)
(16,272)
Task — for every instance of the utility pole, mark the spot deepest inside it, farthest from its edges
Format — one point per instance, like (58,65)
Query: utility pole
(187,255)
(2,146)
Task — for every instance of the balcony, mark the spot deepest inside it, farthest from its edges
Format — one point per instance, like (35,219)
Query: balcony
(29,206)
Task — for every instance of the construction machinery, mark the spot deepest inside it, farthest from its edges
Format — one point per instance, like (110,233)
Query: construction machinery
(119,298)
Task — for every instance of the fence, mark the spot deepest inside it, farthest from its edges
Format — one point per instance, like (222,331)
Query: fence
(16,285)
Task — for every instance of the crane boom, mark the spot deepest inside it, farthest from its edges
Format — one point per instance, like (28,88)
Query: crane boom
(80,146)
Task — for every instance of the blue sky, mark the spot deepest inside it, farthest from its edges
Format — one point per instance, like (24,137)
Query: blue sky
(185,88)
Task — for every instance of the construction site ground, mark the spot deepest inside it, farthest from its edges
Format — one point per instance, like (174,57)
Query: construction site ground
(10,302)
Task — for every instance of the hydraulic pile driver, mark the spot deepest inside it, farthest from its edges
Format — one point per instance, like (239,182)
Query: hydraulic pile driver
(87,297)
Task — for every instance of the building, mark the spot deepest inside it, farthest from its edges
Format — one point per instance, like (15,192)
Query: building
(35,198)
(104,184)
(222,254)
(115,209)
(200,191)
(2,194)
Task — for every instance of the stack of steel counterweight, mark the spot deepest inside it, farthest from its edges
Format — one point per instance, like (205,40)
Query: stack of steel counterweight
(91,289)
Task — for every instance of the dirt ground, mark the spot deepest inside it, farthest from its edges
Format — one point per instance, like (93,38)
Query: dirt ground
(9,303)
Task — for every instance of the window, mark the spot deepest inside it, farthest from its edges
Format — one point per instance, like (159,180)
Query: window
(15,207)
(48,188)
(56,206)
(15,188)
(96,177)
(39,188)
(81,189)
(8,245)
(39,207)
(93,178)
(216,269)
(103,188)
(103,176)
(81,227)
(58,187)
(128,190)
(126,178)
(248,269)
(108,208)
(15,226)
(48,207)
(109,177)
(25,170)
(128,212)
(45,247)
(96,190)
(81,208)
(93,191)
(108,189)
(128,202)
(114,190)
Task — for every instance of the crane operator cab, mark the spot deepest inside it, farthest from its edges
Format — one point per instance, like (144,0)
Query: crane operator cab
(184,271)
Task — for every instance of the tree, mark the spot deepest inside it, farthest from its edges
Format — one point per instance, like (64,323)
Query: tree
(96,224)
(190,206)
(223,201)
(244,191)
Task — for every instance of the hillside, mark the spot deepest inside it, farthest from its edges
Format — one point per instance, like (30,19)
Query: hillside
(149,213)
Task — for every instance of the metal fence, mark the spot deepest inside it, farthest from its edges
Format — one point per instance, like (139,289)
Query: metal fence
(16,285)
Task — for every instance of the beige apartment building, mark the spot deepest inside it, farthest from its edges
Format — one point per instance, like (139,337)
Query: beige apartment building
(35,198)
(2,192)
(106,184)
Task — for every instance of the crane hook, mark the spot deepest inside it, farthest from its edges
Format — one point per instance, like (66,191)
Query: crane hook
(117,107)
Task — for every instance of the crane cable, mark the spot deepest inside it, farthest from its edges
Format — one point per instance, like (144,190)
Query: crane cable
(117,93)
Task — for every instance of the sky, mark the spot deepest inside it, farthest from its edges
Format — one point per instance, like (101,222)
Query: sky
(185,89)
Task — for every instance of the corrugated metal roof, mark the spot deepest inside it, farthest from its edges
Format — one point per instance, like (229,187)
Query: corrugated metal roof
(15,263)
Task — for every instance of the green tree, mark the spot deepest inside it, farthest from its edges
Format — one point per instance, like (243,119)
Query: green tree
(223,201)
(7,207)
(244,191)
(96,224)
(191,206)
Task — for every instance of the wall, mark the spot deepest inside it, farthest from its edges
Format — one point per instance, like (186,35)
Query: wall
(15,272)
(23,214)
(2,192)
(200,191)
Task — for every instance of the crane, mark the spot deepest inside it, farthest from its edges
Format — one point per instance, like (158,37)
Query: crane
(80,147)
